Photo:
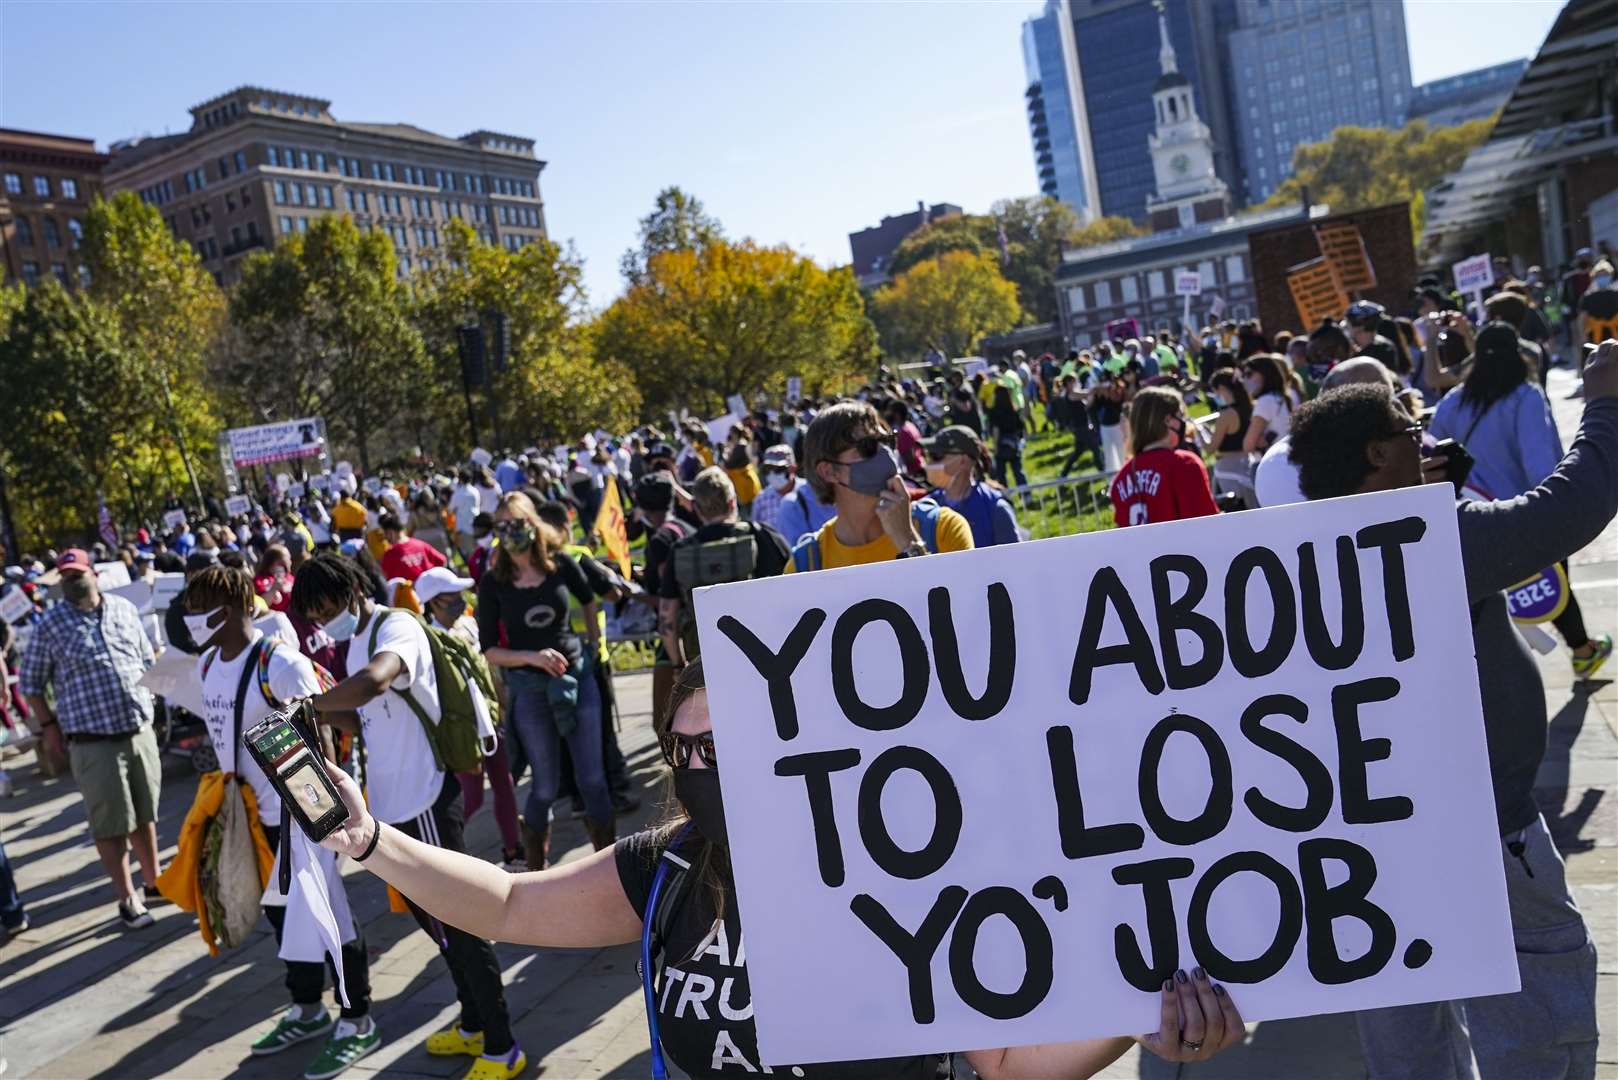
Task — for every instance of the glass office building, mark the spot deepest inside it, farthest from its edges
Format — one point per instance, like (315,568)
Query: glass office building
(1301,69)
(1117,53)
(1056,120)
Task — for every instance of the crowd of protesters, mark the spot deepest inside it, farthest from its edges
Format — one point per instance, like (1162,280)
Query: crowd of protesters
(332,587)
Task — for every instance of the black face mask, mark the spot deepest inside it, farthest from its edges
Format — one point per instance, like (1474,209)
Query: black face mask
(77,587)
(698,792)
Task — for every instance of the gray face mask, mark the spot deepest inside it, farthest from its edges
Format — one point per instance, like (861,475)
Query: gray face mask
(871,476)
(77,587)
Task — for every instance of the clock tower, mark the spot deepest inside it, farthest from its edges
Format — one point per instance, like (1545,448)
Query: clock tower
(1188,190)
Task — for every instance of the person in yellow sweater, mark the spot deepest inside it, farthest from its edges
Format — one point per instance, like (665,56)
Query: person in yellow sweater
(743,476)
(851,465)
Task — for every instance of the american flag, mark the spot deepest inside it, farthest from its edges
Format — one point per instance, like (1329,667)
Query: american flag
(109,529)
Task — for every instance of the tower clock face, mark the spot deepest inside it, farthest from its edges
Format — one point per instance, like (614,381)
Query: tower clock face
(1180,164)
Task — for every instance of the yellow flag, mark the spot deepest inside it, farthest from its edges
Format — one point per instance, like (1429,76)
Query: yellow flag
(612,527)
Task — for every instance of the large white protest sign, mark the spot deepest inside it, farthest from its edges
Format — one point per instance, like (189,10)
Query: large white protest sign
(719,427)
(237,505)
(281,441)
(1473,274)
(173,519)
(998,797)
(14,604)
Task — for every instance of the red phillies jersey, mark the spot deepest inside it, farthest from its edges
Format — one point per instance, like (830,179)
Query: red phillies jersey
(1161,485)
(409,559)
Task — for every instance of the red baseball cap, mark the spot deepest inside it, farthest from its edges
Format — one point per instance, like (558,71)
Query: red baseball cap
(74,561)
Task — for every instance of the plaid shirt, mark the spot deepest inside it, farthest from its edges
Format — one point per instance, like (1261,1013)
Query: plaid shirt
(94,659)
(767,508)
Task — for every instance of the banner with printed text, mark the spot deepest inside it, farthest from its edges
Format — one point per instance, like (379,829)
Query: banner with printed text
(282,441)
(997,797)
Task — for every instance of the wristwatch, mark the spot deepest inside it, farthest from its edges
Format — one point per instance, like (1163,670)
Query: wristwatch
(916,548)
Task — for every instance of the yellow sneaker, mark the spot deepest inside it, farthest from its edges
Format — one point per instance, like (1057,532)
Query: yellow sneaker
(504,1069)
(453,1041)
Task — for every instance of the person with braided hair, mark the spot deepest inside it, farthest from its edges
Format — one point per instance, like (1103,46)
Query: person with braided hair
(388,658)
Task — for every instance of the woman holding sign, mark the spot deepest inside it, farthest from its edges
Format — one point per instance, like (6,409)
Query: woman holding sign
(704,1015)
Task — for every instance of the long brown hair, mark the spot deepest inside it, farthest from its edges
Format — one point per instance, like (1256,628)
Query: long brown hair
(546,539)
(711,862)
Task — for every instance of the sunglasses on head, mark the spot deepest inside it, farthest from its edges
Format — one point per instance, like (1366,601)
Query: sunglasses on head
(677,749)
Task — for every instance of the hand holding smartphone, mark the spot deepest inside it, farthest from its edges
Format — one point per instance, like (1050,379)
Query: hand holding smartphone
(297,771)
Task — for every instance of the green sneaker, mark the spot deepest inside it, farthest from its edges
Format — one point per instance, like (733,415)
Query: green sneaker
(347,1045)
(289,1030)
(1585,667)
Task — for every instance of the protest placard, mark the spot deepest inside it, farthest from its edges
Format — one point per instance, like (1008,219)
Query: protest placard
(320,483)
(175,679)
(1474,274)
(14,604)
(1344,250)
(1316,292)
(794,388)
(294,492)
(997,797)
(111,575)
(173,519)
(281,441)
(238,504)
(1187,283)
(373,485)
(719,427)
(481,457)
(343,468)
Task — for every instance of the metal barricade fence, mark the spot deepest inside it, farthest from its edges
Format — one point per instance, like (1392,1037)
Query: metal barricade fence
(1064,506)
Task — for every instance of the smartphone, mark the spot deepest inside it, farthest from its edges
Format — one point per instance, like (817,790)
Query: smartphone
(295,769)
(1457,461)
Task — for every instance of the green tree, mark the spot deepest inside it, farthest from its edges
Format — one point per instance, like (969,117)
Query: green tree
(83,416)
(325,331)
(677,222)
(169,312)
(734,318)
(1036,231)
(1361,167)
(949,302)
(553,386)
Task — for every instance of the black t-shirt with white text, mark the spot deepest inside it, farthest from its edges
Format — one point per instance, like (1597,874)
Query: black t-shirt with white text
(535,617)
(705,1002)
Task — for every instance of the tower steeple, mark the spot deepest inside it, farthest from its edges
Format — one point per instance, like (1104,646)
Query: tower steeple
(1188,190)
(1165,55)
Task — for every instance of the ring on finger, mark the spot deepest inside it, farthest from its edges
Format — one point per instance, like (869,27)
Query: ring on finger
(1192,1047)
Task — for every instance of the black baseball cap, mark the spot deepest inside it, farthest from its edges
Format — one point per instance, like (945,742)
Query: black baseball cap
(955,439)
(655,492)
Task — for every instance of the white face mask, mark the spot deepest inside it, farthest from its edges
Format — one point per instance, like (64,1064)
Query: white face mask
(779,481)
(197,626)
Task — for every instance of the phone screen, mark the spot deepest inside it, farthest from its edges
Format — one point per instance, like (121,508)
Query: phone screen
(298,775)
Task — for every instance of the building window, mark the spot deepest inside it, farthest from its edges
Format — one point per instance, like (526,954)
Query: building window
(1075,298)
(1156,284)
(320,162)
(303,224)
(296,191)
(224,167)
(1206,270)
(1103,293)
(1235,269)
(53,238)
(70,188)
(310,197)
(252,232)
(61,273)
(387,172)
(1128,290)
(247,196)
(30,272)
(273,155)
(281,192)
(303,159)
(75,229)
(235,237)
(25,232)
(84,275)
(13,183)
(325,197)
(241,162)
(42,186)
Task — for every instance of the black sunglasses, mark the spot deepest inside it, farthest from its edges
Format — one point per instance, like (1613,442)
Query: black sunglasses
(677,749)
(510,528)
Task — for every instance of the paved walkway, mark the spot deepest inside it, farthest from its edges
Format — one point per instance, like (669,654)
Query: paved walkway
(79,997)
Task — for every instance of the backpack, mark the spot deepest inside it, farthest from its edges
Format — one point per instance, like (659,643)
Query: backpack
(712,562)
(458,666)
(924,512)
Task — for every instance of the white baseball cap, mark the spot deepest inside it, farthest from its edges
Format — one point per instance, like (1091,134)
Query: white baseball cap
(438,581)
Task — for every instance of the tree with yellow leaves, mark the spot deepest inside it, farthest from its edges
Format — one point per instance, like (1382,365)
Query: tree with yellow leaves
(950,302)
(723,318)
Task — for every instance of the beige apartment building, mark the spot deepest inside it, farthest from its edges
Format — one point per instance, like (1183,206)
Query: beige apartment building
(46,185)
(260,164)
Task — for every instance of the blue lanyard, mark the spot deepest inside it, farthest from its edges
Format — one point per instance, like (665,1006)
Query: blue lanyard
(660,1069)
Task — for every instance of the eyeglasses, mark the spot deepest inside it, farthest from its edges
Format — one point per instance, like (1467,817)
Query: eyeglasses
(677,749)
(1415,431)
(510,528)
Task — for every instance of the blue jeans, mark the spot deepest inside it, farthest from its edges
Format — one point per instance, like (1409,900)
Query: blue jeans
(535,728)
(11,913)
(1545,1031)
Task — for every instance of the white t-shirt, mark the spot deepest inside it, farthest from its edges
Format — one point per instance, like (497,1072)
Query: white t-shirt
(291,676)
(403,779)
(465,504)
(1275,482)
(489,499)
(1276,414)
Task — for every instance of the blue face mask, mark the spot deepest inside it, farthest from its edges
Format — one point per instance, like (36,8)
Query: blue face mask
(343,626)
(1603,280)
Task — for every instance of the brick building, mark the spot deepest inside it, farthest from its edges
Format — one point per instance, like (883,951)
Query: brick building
(259,164)
(46,185)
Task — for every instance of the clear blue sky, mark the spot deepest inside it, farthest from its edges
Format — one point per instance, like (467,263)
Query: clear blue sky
(794,123)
